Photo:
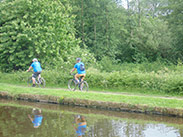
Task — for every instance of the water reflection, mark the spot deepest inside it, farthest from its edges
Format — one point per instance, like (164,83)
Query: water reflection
(81,125)
(58,121)
(37,120)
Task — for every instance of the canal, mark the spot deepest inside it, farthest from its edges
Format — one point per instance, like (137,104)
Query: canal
(27,119)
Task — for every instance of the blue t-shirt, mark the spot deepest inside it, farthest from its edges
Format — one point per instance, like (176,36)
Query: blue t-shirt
(81,130)
(37,120)
(77,66)
(36,66)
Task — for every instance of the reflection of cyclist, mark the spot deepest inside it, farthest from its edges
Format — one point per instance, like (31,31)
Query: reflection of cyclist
(80,69)
(37,118)
(37,70)
(81,129)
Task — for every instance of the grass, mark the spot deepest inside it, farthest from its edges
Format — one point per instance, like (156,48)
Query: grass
(129,90)
(136,91)
(135,99)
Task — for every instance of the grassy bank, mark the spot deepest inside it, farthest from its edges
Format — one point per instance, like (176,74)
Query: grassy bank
(133,100)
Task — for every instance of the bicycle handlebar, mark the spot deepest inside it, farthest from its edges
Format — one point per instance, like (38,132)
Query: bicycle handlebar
(73,74)
(30,71)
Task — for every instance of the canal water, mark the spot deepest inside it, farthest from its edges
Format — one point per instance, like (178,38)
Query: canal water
(26,119)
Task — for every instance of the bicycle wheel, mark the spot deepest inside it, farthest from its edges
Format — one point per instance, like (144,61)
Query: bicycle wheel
(29,81)
(72,84)
(42,82)
(84,86)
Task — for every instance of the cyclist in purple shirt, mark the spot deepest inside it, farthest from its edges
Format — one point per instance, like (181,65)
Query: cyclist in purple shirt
(37,70)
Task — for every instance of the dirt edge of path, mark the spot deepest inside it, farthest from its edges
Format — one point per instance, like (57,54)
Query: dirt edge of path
(94,104)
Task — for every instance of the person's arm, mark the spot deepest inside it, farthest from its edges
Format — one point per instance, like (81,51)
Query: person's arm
(73,70)
(75,66)
(74,127)
(30,118)
(29,68)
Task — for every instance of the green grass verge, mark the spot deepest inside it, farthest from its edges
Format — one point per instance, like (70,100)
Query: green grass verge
(129,90)
(141,100)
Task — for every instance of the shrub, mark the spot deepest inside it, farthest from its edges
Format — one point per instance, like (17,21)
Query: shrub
(166,80)
(41,28)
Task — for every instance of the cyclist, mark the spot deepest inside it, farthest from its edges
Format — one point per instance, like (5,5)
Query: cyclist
(37,121)
(37,70)
(82,125)
(80,69)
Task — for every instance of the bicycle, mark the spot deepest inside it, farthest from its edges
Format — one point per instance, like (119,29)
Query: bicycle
(40,82)
(73,84)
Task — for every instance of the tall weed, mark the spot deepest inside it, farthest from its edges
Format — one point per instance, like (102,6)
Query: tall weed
(167,79)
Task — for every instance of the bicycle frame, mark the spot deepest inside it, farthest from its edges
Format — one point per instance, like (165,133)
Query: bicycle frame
(36,79)
(80,84)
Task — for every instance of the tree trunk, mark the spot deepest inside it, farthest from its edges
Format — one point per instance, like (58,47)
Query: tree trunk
(128,4)
(82,23)
(139,12)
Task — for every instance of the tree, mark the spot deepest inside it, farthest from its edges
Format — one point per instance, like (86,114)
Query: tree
(174,16)
(35,28)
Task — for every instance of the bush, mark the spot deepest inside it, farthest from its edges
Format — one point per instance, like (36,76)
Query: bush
(166,80)
(41,28)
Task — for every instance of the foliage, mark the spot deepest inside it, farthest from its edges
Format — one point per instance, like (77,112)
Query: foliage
(158,76)
(151,40)
(134,35)
(35,28)
(174,18)
(103,33)
(98,26)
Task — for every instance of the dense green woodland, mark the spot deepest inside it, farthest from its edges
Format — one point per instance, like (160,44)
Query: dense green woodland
(139,46)
(97,30)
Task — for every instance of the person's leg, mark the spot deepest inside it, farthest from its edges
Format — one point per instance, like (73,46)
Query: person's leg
(34,79)
(77,77)
(39,76)
(83,76)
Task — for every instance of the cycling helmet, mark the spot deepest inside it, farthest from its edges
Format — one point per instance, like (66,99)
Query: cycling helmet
(35,59)
(78,59)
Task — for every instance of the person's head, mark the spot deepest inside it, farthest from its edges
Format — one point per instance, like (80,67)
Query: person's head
(78,59)
(34,60)
(80,119)
(83,119)
(36,111)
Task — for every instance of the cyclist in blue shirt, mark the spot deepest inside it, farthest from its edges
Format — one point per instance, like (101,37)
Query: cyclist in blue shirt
(82,125)
(80,69)
(37,121)
(37,70)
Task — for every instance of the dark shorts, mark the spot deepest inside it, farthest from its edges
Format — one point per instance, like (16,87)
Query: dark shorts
(36,74)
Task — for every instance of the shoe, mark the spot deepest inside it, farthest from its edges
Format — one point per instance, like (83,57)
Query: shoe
(34,85)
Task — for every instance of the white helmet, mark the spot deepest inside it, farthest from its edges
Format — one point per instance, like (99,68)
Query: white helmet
(35,59)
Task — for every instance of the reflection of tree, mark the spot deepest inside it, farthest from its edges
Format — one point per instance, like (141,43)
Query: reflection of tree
(134,130)
(101,128)
(111,128)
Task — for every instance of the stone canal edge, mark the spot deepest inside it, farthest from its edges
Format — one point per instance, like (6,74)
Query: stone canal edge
(94,104)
